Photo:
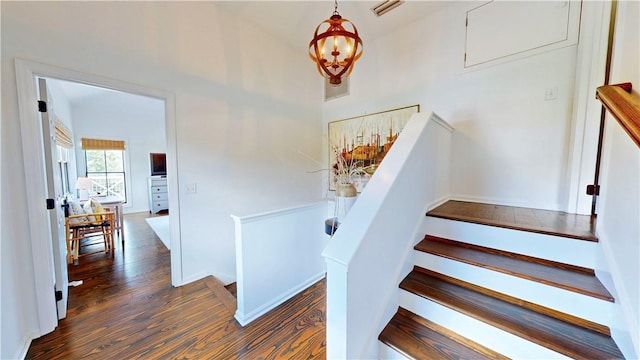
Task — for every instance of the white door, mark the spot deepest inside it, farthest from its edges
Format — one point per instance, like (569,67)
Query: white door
(55,197)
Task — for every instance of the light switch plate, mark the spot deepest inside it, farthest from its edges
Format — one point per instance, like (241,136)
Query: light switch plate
(190,188)
(551,93)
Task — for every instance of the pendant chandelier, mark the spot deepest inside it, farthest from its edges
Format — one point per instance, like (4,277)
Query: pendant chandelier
(335,49)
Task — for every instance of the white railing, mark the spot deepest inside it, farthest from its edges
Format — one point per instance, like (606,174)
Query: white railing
(371,249)
(278,254)
(110,185)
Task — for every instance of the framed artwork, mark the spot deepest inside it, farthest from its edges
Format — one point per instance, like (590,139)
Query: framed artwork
(357,145)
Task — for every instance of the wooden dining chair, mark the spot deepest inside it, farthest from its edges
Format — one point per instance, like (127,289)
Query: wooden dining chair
(83,229)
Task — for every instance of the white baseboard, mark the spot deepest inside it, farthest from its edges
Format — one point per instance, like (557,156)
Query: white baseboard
(193,278)
(245,319)
(24,346)
(434,204)
(387,353)
(224,278)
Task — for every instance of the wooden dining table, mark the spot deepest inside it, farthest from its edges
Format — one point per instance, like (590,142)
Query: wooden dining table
(114,203)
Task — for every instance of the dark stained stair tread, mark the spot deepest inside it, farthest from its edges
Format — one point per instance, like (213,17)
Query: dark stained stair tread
(563,333)
(518,218)
(565,276)
(418,338)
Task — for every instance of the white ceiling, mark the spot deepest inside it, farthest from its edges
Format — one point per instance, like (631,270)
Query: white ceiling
(75,92)
(295,22)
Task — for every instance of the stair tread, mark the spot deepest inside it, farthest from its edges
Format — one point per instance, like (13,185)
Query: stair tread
(565,276)
(518,218)
(551,332)
(419,338)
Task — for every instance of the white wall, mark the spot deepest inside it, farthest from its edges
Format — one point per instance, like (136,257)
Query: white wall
(19,317)
(278,255)
(619,202)
(510,145)
(248,122)
(61,106)
(138,120)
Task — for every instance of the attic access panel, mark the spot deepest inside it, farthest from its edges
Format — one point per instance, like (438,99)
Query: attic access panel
(500,29)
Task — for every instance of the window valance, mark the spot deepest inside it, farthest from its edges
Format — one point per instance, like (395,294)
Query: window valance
(102,144)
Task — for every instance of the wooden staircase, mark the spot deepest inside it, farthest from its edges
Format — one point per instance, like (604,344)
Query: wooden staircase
(509,299)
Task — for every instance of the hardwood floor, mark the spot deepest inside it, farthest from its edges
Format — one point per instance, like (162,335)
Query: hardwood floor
(580,227)
(126,308)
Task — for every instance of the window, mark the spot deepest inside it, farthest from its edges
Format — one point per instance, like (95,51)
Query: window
(105,167)
(63,169)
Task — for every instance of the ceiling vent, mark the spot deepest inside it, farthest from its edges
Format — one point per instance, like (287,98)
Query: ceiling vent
(332,91)
(385,6)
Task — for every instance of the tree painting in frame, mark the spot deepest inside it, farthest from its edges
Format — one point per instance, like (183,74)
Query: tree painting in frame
(364,141)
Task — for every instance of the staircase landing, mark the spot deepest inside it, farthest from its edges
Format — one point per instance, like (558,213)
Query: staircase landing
(533,220)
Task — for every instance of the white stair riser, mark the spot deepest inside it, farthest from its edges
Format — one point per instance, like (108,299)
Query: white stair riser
(569,302)
(387,353)
(555,248)
(498,340)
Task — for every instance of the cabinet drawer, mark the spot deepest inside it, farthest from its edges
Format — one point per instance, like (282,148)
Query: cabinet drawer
(160,205)
(159,189)
(158,182)
(160,196)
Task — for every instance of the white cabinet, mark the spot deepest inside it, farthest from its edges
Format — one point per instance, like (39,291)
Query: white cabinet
(158,197)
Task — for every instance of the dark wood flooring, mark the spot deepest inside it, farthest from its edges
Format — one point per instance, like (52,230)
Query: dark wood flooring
(550,222)
(126,308)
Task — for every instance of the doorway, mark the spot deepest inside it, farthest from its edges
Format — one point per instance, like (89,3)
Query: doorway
(27,75)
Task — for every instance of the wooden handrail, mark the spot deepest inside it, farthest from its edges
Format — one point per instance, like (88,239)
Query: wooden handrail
(624,106)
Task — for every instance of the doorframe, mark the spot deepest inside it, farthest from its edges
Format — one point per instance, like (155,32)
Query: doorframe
(27,73)
(589,74)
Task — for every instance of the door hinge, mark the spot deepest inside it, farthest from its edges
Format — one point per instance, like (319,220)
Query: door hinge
(51,204)
(593,189)
(58,295)
(42,106)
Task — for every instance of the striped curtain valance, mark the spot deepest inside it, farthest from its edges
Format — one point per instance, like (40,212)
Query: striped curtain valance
(101,144)
(63,134)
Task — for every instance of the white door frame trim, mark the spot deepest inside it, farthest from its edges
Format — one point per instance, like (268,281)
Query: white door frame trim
(590,69)
(39,231)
